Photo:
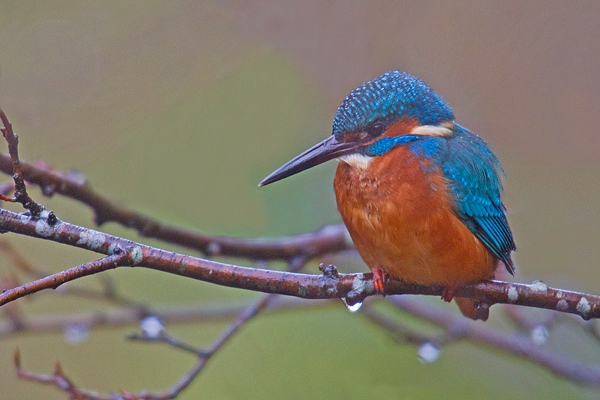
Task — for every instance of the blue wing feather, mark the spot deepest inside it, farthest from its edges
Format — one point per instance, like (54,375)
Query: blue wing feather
(473,173)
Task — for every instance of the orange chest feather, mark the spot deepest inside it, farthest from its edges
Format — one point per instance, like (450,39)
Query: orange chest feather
(400,216)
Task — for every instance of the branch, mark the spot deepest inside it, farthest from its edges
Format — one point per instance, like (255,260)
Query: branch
(55,280)
(169,314)
(352,287)
(157,334)
(328,239)
(21,195)
(73,185)
(458,327)
(62,382)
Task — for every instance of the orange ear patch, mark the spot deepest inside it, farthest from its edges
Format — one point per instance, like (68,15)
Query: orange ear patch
(404,126)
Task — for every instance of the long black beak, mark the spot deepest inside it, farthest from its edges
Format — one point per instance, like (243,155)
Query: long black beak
(326,150)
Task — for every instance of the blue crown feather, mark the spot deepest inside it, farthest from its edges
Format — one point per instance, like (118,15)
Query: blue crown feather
(386,98)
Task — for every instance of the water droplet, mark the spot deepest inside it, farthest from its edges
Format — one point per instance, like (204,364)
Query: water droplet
(62,287)
(152,327)
(539,335)
(352,307)
(428,353)
(76,333)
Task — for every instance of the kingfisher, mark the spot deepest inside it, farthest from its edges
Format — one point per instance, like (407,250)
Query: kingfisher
(419,194)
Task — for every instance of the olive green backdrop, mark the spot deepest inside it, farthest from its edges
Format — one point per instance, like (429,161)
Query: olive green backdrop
(178,109)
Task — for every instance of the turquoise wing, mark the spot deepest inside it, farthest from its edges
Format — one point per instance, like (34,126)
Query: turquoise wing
(474,176)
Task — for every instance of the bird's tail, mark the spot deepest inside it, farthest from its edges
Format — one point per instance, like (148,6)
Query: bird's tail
(472,309)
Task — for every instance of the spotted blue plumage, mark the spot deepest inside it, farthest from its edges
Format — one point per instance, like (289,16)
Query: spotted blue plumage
(383,99)
(472,170)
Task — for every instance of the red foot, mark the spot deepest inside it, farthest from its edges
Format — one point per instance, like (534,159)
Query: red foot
(379,280)
(448,294)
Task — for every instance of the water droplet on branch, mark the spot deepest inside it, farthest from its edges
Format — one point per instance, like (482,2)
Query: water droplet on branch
(352,307)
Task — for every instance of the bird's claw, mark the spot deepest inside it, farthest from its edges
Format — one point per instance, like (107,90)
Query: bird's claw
(448,294)
(379,280)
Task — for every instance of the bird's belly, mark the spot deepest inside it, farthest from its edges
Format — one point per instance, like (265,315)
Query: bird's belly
(407,227)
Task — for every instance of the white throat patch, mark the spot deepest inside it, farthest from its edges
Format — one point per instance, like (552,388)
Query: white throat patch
(357,160)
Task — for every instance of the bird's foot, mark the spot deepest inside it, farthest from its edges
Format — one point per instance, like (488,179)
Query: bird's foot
(379,280)
(448,294)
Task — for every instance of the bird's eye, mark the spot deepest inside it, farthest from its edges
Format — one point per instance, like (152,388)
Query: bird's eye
(376,129)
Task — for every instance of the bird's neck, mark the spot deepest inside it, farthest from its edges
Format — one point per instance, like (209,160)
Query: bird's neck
(367,181)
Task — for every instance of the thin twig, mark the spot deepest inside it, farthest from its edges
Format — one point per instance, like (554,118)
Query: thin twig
(55,280)
(59,380)
(204,355)
(107,293)
(21,195)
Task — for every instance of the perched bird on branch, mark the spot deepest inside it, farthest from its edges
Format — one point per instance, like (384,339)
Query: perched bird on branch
(419,194)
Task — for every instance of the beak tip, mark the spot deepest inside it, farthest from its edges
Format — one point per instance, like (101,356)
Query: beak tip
(264,182)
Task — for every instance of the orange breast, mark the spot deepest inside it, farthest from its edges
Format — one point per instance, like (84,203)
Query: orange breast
(401,220)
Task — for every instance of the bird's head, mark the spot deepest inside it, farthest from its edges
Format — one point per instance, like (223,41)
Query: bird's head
(366,123)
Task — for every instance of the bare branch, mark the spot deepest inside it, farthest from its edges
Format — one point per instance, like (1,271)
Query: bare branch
(59,380)
(460,327)
(21,195)
(55,280)
(205,354)
(352,287)
(327,239)
(169,314)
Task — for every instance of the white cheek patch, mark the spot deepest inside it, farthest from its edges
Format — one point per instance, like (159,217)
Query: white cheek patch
(357,160)
(432,130)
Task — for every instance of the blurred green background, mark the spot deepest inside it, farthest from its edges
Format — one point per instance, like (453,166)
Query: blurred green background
(178,109)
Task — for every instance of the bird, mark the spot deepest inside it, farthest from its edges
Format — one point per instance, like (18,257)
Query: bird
(420,195)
